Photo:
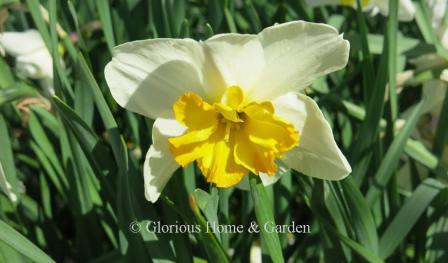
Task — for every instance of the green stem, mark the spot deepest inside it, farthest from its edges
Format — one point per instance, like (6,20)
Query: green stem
(265,217)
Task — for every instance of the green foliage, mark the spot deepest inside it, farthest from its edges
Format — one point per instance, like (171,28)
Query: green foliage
(74,161)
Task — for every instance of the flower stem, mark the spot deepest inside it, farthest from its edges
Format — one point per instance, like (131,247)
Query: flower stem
(265,216)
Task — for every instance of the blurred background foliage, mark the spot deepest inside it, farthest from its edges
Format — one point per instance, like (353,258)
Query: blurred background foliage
(74,161)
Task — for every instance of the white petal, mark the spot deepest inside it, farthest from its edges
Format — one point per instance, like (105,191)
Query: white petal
(427,61)
(443,35)
(297,53)
(434,92)
(255,254)
(37,64)
(20,43)
(237,57)
(148,76)
(265,178)
(444,75)
(373,11)
(244,184)
(47,86)
(438,10)
(160,165)
(268,180)
(406,9)
(317,154)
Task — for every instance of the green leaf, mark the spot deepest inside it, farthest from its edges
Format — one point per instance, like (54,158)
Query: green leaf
(264,215)
(390,161)
(35,10)
(16,92)
(62,73)
(109,122)
(6,77)
(441,135)
(176,12)
(208,203)
(6,156)
(48,168)
(96,152)
(413,148)
(230,20)
(207,239)
(44,143)
(361,217)
(106,22)
(4,185)
(216,13)
(20,243)
(392,28)
(368,132)
(408,215)
(253,16)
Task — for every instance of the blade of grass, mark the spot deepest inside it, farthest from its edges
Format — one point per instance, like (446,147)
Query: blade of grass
(252,13)
(392,28)
(413,148)
(49,170)
(20,243)
(360,214)
(16,92)
(208,203)
(390,161)
(176,12)
(408,215)
(44,143)
(424,21)
(441,135)
(215,13)
(98,156)
(368,132)
(6,76)
(106,22)
(6,156)
(212,247)
(264,215)
(4,185)
(283,189)
(368,73)
(106,115)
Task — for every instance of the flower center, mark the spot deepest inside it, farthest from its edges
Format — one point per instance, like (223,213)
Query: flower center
(230,138)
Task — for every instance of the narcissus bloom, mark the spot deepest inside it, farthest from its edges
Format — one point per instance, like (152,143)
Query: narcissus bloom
(434,90)
(406,9)
(32,57)
(232,103)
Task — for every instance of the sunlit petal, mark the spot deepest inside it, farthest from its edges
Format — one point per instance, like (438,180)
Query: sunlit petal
(297,53)
(159,163)
(317,154)
(148,76)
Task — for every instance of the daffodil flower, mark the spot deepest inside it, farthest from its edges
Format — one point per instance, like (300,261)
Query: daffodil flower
(434,90)
(406,9)
(32,57)
(438,9)
(232,104)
